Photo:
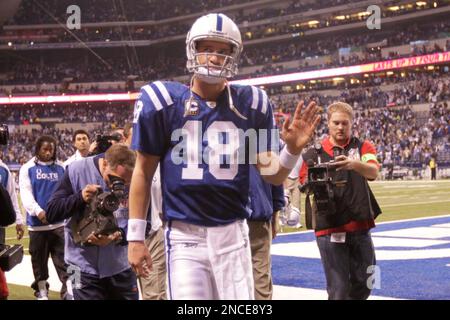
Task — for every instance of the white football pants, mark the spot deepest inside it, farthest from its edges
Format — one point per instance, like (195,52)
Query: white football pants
(205,263)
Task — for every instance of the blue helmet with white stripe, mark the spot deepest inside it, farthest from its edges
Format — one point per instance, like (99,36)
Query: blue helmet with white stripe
(214,27)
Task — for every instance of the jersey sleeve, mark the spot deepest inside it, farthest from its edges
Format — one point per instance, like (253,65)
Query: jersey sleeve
(149,127)
(26,191)
(278,198)
(11,187)
(267,132)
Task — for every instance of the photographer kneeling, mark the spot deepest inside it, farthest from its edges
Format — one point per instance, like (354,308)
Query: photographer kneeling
(344,208)
(89,196)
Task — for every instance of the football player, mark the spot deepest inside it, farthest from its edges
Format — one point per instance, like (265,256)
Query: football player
(195,133)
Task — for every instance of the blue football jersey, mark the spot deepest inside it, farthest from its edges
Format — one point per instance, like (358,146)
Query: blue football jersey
(205,148)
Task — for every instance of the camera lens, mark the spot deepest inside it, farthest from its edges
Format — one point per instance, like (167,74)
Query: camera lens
(110,203)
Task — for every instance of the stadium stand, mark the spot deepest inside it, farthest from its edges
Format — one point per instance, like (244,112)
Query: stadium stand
(406,108)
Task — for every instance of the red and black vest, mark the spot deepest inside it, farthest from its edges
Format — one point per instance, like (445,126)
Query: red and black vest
(353,201)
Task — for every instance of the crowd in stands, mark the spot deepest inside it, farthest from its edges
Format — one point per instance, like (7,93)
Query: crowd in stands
(170,62)
(411,89)
(51,11)
(104,113)
(142,10)
(21,145)
(161,31)
(401,135)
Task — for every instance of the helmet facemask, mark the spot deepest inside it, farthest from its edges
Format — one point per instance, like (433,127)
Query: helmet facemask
(209,72)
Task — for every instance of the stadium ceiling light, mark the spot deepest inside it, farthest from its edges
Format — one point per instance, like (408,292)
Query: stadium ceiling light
(373,67)
(70,98)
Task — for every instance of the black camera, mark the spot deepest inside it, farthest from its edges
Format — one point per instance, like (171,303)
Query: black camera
(320,183)
(4,134)
(104,142)
(322,180)
(10,256)
(98,217)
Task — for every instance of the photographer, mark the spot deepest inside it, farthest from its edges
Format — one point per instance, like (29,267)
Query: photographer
(101,258)
(342,228)
(103,142)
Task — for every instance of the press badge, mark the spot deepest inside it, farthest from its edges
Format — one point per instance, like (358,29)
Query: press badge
(338,237)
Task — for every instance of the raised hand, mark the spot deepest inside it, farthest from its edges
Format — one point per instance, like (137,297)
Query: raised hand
(297,132)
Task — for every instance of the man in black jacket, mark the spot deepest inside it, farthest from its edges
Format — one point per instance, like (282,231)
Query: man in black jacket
(343,228)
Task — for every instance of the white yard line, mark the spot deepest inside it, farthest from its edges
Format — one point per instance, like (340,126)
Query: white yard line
(412,203)
(378,223)
(296,293)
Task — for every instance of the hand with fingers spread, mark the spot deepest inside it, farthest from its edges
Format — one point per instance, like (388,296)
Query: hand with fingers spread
(139,258)
(297,132)
(89,192)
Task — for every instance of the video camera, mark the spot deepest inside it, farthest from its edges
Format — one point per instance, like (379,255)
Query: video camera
(98,217)
(104,142)
(322,180)
(10,256)
(4,134)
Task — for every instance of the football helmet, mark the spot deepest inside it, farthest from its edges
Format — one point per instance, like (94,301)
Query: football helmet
(213,27)
(290,215)
(293,218)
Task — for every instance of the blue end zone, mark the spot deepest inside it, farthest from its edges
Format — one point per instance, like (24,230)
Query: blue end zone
(403,278)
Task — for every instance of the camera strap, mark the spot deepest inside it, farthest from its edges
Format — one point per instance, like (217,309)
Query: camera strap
(310,213)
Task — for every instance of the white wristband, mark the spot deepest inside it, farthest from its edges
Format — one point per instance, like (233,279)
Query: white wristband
(288,160)
(136,230)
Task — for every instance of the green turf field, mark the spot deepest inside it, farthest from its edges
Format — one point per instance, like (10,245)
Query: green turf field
(406,199)
(398,199)
(26,293)
(412,199)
